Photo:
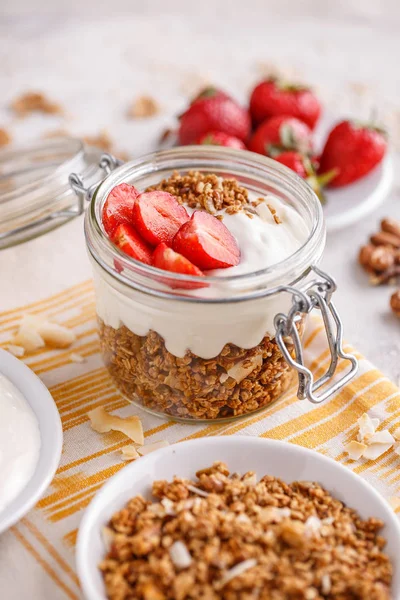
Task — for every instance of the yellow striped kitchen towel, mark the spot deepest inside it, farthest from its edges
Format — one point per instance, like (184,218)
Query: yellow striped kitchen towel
(37,555)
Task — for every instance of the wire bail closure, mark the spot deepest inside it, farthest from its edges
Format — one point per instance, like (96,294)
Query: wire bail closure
(317,295)
(85,194)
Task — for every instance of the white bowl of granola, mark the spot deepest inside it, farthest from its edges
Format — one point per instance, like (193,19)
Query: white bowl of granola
(276,525)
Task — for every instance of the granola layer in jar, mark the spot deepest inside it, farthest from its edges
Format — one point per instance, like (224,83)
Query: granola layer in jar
(209,351)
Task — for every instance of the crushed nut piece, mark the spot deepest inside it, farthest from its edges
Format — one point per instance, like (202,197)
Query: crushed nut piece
(102,422)
(102,141)
(274,214)
(5,137)
(142,107)
(217,547)
(34,102)
(395,302)
(381,258)
(207,191)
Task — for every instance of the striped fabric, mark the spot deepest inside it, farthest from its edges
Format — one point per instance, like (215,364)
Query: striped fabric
(37,555)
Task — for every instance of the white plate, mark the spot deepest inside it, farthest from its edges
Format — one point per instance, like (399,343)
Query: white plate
(43,405)
(350,203)
(241,453)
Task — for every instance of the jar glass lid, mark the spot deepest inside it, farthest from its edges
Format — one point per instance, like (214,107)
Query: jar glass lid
(35,194)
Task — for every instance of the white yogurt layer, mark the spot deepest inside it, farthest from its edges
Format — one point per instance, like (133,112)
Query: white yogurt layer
(19,442)
(206,328)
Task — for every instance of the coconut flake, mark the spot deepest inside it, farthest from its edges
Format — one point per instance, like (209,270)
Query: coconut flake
(28,338)
(102,422)
(326,584)
(129,452)
(17,351)
(382,437)
(56,335)
(34,332)
(239,372)
(355,450)
(143,450)
(367,426)
(169,506)
(197,491)
(75,357)
(313,526)
(108,536)
(374,451)
(180,555)
(237,570)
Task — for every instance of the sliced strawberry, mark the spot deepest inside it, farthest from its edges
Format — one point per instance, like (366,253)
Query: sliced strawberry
(130,242)
(118,207)
(168,260)
(158,216)
(207,242)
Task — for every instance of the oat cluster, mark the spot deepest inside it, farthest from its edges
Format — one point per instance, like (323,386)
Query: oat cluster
(228,537)
(235,382)
(206,191)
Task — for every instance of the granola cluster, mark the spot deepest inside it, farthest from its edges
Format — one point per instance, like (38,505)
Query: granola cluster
(228,537)
(233,383)
(206,191)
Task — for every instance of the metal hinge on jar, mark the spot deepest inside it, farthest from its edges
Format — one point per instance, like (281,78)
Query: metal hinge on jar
(318,295)
(107,163)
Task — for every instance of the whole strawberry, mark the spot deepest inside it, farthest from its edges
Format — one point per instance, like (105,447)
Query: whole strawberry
(275,97)
(219,138)
(213,111)
(278,134)
(353,149)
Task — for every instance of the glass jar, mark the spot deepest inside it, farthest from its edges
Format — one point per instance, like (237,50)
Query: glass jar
(187,355)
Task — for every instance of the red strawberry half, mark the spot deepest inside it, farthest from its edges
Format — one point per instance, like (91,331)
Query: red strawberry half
(118,207)
(353,150)
(214,111)
(165,258)
(128,240)
(219,138)
(279,134)
(275,97)
(207,243)
(158,216)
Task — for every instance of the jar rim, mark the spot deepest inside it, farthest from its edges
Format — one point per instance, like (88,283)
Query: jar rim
(138,275)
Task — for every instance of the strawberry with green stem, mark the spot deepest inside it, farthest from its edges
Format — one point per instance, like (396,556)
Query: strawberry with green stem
(279,134)
(354,149)
(213,110)
(304,167)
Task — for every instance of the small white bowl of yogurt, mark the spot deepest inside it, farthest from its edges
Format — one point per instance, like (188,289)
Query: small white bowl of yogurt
(30,439)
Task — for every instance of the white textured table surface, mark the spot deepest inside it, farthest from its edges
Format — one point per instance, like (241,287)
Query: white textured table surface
(96,63)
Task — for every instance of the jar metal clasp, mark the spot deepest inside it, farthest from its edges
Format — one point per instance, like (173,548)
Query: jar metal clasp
(107,163)
(317,295)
